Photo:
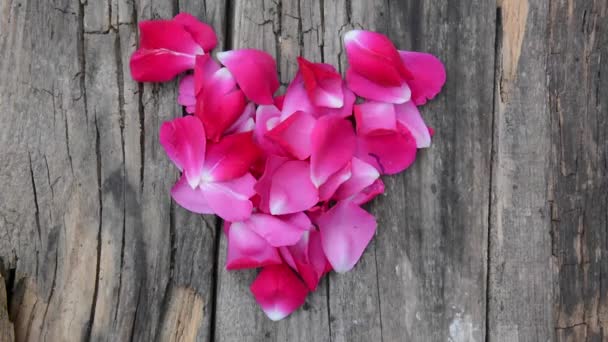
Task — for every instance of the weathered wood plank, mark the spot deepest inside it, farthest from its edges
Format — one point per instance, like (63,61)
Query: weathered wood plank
(578,48)
(519,307)
(275,27)
(7,330)
(423,277)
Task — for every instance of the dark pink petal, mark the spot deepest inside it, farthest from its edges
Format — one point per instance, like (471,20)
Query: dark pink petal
(376,92)
(255,72)
(159,65)
(291,189)
(278,291)
(245,122)
(369,193)
(409,116)
(327,189)
(371,116)
(276,231)
(202,33)
(263,185)
(323,84)
(266,118)
(333,145)
(246,249)
(191,199)
(374,56)
(363,175)
(294,134)
(346,229)
(204,68)
(230,200)
(230,158)
(186,95)
(390,152)
(428,75)
(296,99)
(168,35)
(184,141)
(307,258)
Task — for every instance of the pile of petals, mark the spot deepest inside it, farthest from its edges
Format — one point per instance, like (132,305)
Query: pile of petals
(288,173)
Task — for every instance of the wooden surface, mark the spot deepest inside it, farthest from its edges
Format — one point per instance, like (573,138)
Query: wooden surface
(499,231)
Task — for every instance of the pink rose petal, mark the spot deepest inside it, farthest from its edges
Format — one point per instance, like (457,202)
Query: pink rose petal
(428,75)
(373,91)
(363,175)
(278,291)
(409,116)
(333,145)
(189,198)
(246,249)
(390,152)
(294,134)
(230,200)
(230,158)
(323,84)
(184,141)
(291,189)
(371,116)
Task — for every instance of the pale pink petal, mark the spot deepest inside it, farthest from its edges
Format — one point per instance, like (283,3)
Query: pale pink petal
(323,84)
(346,230)
(327,189)
(255,72)
(376,92)
(202,33)
(374,56)
(191,199)
(278,291)
(245,122)
(294,134)
(230,158)
(246,249)
(409,116)
(276,231)
(371,116)
(266,118)
(298,219)
(230,200)
(184,141)
(363,175)
(390,152)
(428,75)
(186,95)
(333,145)
(369,193)
(291,189)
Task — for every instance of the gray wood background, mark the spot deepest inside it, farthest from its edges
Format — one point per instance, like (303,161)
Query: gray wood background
(499,231)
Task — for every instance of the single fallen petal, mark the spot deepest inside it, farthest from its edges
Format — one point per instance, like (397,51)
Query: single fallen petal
(371,116)
(184,141)
(323,84)
(294,134)
(368,193)
(409,116)
(158,65)
(246,249)
(230,200)
(189,198)
(202,33)
(255,72)
(376,92)
(167,35)
(374,56)
(278,291)
(230,158)
(363,175)
(346,230)
(333,145)
(428,75)
(186,96)
(291,189)
(389,152)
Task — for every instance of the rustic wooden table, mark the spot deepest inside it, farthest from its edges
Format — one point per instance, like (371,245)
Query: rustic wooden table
(498,232)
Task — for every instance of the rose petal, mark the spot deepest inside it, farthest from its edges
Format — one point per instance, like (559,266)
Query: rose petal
(307,258)
(186,95)
(376,92)
(246,249)
(184,141)
(276,231)
(409,116)
(266,118)
(333,145)
(363,175)
(230,158)
(158,65)
(230,200)
(278,291)
(323,84)
(255,72)
(202,33)
(327,189)
(245,122)
(368,193)
(371,116)
(346,230)
(428,75)
(204,68)
(291,189)
(294,134)
(390,152)
(189,198)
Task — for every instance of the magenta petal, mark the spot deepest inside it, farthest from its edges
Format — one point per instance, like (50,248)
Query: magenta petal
(371,116)
(202,33)
(390,152)
(189,198)
(230,200)
(376,92)
(307,258)
(291,189)
(374,56)
(184,141)
(255,72)
(296,99)
(346,230)
(276,231)
(245,122)
(369,193)
(428,75)
(263,185)
(186,95)
(323,84)
(333,145)
(327,189)
(230,158)
(266,118)
(278,291)
(246,249)
(294,134)
(168,35)
(204,69)
(363,175)
(409,116)
(159,65)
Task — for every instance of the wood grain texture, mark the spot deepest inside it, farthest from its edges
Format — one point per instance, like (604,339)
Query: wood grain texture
(7,330)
